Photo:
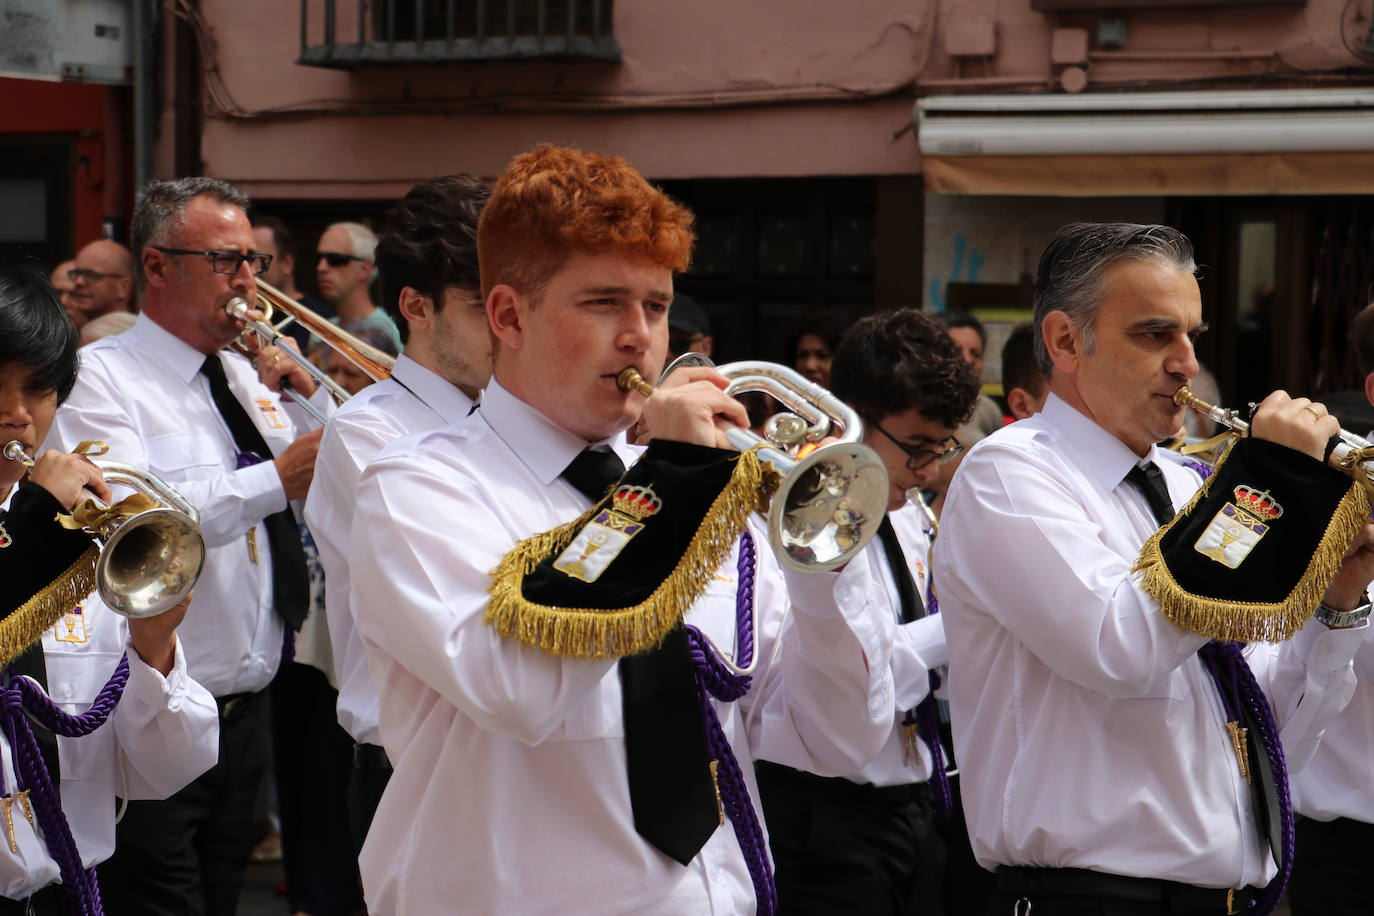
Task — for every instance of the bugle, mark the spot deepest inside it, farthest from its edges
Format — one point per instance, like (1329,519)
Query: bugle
(270,300)
(831,498)
(151,557)
(1353,454)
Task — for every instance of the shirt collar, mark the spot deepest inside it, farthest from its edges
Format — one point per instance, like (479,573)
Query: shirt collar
(438,393)
(161,344)
(1103,455)
(542,445)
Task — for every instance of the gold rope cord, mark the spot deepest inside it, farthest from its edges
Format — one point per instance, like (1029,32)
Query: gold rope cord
(612,633)
(1247,621)
(27,624)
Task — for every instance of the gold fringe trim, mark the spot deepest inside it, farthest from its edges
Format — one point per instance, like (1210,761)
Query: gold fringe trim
(613,633)
(1249,621)
(26,625)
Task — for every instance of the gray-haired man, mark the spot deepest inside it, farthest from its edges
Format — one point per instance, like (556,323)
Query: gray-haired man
(1103,746)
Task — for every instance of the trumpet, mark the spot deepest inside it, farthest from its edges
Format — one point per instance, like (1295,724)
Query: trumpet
(1353,454)
(832,497)
(151,557)
(376,364)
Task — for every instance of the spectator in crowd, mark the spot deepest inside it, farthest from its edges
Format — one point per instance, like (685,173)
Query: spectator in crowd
(61,280)
(1024,386)
(106,325)
(341,369)
(972,339)
(102,281)
(689,327)
(344,266)
(813,347)
(275,239)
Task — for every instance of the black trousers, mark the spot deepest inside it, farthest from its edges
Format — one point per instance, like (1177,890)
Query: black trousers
(185,856)
(1078,892)
(47,902)
(1331,869)
(843,848)
(314,760)
(371,773)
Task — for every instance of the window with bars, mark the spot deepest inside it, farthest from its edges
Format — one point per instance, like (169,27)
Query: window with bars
(351,33)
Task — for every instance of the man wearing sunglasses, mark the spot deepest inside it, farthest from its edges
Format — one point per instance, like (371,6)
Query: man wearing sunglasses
(167,396)
(102,279)
(867,842)
(344,265)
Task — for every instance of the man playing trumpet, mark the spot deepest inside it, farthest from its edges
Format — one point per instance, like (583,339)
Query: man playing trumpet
(1112,754)
(544,779)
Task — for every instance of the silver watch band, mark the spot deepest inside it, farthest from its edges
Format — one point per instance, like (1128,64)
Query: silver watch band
(1338,618)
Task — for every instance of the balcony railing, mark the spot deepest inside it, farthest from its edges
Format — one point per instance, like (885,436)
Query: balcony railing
(345,34)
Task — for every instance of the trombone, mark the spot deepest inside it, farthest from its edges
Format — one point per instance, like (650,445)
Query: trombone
(152,555)
(832,497)
(370,360)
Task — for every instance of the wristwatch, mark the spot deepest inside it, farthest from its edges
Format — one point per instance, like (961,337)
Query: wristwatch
(1339,619)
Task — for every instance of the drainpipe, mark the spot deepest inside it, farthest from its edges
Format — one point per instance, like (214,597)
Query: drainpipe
(144,27)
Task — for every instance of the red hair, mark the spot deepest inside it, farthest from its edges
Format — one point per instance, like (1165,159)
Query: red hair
(553,200)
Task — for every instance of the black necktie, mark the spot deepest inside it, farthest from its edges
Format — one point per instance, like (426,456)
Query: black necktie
(290,578)
(1149,480)
(907,594)
(671,792)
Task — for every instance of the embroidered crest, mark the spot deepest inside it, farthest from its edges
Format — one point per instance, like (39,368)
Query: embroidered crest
(71,627)
(5,539)
(1238,527)
(603,538)
(271,413)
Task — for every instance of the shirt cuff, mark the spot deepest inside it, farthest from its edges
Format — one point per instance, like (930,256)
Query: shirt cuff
(830,597)
(262,489)
(1325,649)
(147,683)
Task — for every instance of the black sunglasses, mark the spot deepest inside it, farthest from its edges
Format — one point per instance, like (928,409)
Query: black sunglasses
(336,258)
(917,458)
(226,262)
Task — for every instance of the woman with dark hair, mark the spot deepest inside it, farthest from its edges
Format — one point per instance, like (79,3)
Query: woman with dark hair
(813,348)
(162,735)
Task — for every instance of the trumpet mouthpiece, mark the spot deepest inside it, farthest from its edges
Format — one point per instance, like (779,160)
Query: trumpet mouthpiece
(237,307)
(1183,397)
(629,379)
(14,451)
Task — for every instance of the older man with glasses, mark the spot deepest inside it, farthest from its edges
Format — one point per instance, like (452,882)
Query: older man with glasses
(102,279)
(167,396)
(867,842)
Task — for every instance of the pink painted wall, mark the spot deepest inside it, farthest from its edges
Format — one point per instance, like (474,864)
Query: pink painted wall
(673,105)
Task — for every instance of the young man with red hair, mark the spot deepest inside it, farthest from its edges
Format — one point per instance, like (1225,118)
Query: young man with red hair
(531,777)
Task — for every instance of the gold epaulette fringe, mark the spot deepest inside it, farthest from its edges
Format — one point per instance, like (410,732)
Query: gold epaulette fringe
(26,625)
(1246,621)
(613,633)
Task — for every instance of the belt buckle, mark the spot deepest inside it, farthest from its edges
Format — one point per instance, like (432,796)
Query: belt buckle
(1231,903)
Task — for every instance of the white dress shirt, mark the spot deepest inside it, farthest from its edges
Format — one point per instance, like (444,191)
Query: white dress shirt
(163,734)
(1089,734)
(142,393)
(509,794)
(413,400)
(1339,781)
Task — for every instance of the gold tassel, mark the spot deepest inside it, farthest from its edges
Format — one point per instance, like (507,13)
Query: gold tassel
(26,626)
(1249,621)
(613,633)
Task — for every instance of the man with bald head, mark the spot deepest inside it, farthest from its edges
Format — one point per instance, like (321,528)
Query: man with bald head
(343,269)
(102,281)
(62,282)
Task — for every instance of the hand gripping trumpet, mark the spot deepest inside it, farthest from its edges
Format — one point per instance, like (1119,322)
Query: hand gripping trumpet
(1351,453)
(153,549)
(832,497)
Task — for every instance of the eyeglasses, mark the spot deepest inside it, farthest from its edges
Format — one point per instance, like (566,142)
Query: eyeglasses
(90,276)
(917,458)
(336,258)
(227,262)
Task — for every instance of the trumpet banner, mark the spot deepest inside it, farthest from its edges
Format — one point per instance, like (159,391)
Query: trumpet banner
(1252,553)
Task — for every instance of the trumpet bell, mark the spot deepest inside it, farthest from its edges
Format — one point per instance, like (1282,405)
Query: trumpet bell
(150,563)
(828,507)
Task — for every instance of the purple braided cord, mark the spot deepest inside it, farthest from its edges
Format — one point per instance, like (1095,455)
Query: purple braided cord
(83,892)
(1252,696)
(928,728)
(1203,469)
(715,680)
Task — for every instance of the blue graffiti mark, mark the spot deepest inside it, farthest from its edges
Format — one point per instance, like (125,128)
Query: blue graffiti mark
(975,267)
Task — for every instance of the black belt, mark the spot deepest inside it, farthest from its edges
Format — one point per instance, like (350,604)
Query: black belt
(1080,882)
(370,757)
(838,786)
(234,706)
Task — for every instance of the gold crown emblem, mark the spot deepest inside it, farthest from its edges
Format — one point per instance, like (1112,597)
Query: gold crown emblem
(1258,503)
(636,502)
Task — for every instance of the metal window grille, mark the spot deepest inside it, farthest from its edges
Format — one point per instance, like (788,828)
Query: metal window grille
(350,33)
